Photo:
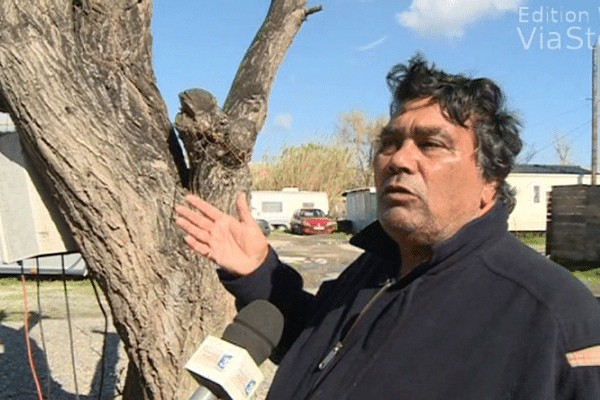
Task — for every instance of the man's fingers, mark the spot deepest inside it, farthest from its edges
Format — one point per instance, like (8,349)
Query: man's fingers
(197,246)
(241,203)
(202,235)
(196,218)
(202,206)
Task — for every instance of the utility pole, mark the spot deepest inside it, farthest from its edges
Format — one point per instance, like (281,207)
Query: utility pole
(594,113)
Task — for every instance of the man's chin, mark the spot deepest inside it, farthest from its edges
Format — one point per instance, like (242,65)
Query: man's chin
(398,221)
(401,225)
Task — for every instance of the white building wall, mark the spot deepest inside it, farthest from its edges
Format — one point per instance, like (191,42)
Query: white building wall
(532,197)
(361,206)
(30,223)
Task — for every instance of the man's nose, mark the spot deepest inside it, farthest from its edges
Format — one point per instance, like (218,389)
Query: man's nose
(405,158)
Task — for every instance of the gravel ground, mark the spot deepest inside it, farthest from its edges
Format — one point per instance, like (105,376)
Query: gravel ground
(58,376)
(64,372)
(77,374)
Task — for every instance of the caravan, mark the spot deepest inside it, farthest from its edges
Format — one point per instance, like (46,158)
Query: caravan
(277,206)
(33,236)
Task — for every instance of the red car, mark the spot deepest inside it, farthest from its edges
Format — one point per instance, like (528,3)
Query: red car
(311,221)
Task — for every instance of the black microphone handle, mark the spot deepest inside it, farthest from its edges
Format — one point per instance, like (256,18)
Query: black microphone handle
(203,393)
(258,339)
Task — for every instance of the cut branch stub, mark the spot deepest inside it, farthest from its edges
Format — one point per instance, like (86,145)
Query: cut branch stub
(314,9)
(207,131)
(214,142)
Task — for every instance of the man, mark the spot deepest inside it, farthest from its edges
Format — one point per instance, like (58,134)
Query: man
(444,303)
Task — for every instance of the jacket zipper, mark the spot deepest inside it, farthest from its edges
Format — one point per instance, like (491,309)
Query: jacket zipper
(325,363)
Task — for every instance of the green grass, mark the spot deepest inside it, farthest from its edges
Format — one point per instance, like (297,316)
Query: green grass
(280,232)
(51,291)
(590,275)
(80,285)
(532,239)
(340,234)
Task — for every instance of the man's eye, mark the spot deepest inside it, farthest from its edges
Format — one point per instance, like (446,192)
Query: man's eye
(388,145)
(432,144)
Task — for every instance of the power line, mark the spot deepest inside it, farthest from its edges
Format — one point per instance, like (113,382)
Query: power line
(541,122)
(559,137)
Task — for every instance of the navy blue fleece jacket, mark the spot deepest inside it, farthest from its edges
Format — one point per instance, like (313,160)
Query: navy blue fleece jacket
(484,318)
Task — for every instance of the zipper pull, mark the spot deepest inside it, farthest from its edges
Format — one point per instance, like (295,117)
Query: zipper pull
(330,356)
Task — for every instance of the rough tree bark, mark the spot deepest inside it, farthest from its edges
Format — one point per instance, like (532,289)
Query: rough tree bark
(76,77)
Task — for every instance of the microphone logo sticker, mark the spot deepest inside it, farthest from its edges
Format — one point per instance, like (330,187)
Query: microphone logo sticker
(248,388)
(223,361)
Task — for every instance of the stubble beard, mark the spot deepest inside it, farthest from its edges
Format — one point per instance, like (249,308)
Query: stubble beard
(411,222)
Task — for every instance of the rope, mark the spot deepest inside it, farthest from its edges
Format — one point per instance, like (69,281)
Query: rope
(39,304)
(28,339)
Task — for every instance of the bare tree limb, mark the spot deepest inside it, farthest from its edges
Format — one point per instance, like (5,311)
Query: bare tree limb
(252,84)
(563,150)
(313,10)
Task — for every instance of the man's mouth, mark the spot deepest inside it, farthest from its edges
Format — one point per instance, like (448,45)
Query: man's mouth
(397,193)
(397,189)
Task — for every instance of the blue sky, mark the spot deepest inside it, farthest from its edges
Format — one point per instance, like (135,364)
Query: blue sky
(537,50)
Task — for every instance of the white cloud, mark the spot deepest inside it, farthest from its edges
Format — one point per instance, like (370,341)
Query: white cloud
(283,122)
(449,17)
(372,44)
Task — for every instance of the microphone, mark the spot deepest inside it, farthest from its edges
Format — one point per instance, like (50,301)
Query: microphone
(227,368)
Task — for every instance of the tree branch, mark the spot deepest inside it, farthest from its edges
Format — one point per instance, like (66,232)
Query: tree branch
(252,84)
(313,10)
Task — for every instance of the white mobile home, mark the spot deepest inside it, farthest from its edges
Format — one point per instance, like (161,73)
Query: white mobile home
(361,207)
(533,183)
(33,235)
(277,206)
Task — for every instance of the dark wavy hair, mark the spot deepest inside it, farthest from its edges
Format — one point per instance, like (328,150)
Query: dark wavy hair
(463,99)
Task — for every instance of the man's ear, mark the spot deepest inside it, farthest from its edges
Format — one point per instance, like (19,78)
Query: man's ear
(488,195)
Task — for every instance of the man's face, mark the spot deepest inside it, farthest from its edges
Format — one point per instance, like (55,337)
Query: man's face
(426,174)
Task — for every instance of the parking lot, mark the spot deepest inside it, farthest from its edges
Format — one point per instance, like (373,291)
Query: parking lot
(316,257)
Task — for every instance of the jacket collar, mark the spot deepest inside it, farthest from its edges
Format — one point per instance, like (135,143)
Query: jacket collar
(472,235)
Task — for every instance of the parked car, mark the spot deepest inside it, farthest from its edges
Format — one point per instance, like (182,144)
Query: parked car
(277,206)
(265,227)
(311,221)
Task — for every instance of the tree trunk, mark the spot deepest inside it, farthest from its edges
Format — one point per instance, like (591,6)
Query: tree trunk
(76,78)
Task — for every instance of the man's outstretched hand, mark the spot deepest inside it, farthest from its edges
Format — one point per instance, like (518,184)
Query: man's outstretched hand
(238,245)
